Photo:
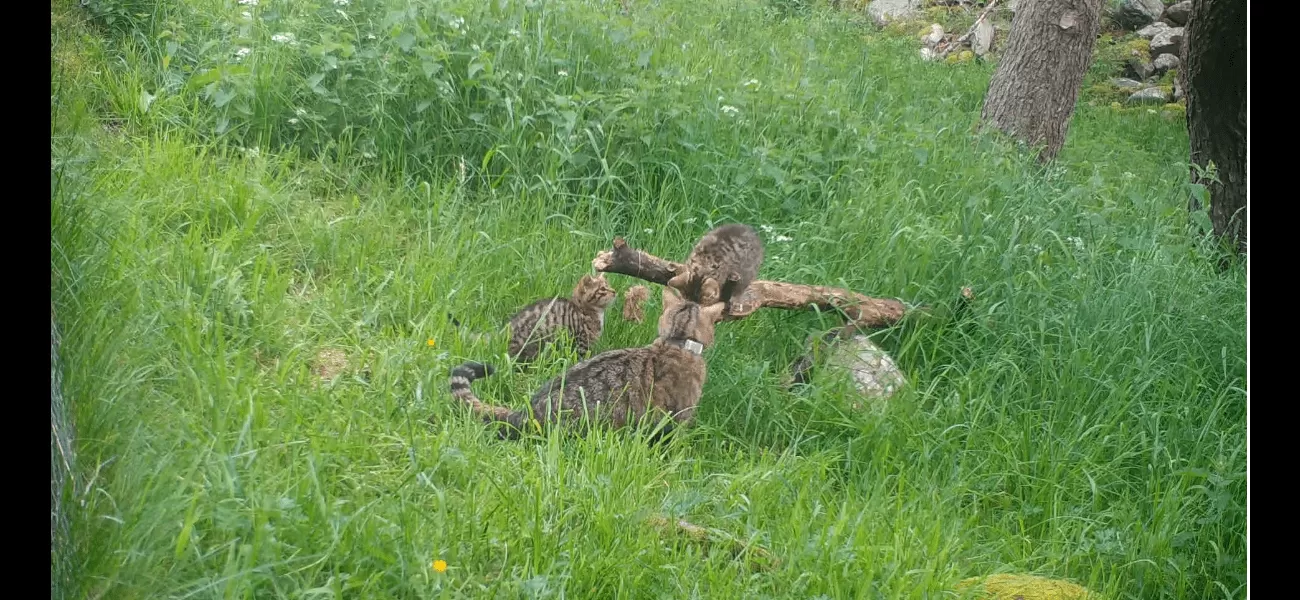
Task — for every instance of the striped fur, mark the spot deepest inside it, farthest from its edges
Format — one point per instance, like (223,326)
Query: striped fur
(619,387)
(581,315)
(722,265)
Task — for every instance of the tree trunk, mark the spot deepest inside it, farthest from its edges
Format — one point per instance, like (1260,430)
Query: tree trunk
(1214,80)
(1036,84)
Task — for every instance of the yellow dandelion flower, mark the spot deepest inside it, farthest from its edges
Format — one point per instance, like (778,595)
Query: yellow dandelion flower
(431,342)
(440,566)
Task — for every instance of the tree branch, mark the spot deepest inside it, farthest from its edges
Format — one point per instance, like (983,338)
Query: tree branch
(862,311)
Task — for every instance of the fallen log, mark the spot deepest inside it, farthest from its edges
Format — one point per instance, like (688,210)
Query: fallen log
(861,311)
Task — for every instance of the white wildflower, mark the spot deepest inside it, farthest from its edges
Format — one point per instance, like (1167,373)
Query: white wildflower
(457,22)
(248,2)
(766,228)
(1128,175)
(342,2)
(284,38)
(370,36)
(367,154)
(293,121)
(729,109)
(1078,242)
(246,15)
(242,52)
(649,231)
(300,111)
(514,32)
(474,47)
(563,73)
(751,82)
(781,238)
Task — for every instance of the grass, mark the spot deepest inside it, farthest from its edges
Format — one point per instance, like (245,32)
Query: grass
(226,224)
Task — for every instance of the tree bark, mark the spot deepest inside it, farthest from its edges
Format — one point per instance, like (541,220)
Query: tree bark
(861,310)
(1036,84)
(1214,80)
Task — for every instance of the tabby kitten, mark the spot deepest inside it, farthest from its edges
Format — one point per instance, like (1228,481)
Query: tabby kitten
(618,387)
(722,265)
(582,314)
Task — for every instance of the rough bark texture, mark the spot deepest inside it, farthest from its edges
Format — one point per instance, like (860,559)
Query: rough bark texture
(1214,79)
(861,310)
(61,461)
(1036,84)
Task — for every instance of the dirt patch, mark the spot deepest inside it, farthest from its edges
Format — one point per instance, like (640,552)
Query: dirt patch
(329,363)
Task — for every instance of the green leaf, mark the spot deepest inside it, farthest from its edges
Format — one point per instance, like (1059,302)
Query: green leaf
(406,41)
(146,99)
(643,59)
(431,68)
(223,97)
(474,69)
(1202,221)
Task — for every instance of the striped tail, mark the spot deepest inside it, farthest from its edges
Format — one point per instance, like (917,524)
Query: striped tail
(461,378)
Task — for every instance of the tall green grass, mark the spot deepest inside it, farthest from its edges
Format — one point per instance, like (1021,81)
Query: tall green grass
(220,217)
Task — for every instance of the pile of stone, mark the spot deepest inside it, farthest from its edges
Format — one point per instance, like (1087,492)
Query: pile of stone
(1162,27)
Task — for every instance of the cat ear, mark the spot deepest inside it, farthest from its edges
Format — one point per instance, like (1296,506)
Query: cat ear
(709,290)
(679,279)
(714,312)
(671,297)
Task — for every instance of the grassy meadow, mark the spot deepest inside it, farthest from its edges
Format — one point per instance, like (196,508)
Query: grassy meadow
(262,213)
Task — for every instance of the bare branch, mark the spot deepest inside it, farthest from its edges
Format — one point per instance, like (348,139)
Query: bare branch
(861,310)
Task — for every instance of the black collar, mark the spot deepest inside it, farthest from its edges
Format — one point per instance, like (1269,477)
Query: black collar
(687,344)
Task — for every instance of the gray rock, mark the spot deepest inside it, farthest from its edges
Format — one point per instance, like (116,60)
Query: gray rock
(1152,30)
(935,36)
(1169,41)
(1178,90)
(1165,62)
(1124,83)
(1178,13)
(1139,69)
(873,372)
(1133,14)
(884,11)
(982,41)
(1151,95)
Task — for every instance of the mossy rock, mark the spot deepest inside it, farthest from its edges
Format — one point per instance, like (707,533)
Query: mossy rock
(1106,92)
(960,57)
(936,12)
(1024,587)
(1139,48)
(1175,107)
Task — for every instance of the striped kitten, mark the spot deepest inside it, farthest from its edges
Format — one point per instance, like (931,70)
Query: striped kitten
(722,265)
(617,387)
(582,314)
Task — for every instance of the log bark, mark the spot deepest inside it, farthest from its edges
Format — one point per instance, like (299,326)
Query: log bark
(1036,85)
(862,311)
(1214,80)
